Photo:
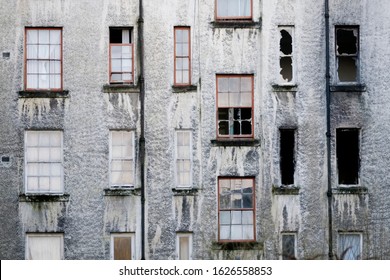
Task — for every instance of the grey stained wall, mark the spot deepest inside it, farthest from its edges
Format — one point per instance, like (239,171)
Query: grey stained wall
(89,213)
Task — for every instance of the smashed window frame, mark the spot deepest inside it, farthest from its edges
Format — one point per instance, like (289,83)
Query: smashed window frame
(235,106)
(286,62)
(347,51)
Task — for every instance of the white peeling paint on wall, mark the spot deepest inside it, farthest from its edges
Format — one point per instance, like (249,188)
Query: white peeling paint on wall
(40,216)
(156,239)
(286,212)
(33,106)
(121,213)
(349,208)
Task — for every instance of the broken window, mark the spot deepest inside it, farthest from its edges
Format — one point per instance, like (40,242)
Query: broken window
(43,161)
(234,9)
(350,246)
(184,246)
(182,56)
(236,209)
(183,158)
(235,106)
(348,159)
(122,246)
(286,54)
(122,158)
(41,246)
(287,156)
(121,56)
(43,59)
(288,246)
(347,53)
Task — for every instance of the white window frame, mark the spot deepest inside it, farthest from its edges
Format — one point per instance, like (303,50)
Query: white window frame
(290,29)
(122,234)
(339,252)
(239,16)
(295,243)
(130,185)
(43,235)
(26,162)
(177,159)
(178,237)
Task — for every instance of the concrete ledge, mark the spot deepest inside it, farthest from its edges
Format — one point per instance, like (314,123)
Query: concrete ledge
(184,191)
(236,24)
(285,190)
(348,88)
(285,88)
(229,246)
(43,94)
(235,142)
(120,88)
(350,190)
(43,197)
(122,191)
(180,89)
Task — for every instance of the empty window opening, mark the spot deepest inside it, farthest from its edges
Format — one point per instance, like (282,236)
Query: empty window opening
(288,246)
(347,53)
(287,156)
(348,160)
(350,246)
(286,51)
(121,56)
(122,246)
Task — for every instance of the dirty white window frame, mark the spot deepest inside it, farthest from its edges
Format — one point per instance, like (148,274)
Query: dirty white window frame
(125,235)
(43,161)
(121,58)
(355,247)
(282,56)
(182,51)
(122,154)
(184,246)
(233,9)
(283,256)
(236,224)
(43,58)
(183,158)
(356,56)
(50,246)
(235,101)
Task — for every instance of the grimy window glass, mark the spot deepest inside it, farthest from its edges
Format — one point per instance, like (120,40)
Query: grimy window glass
(288,246)
(347,53)
(348,158)
(182,56)
(287,156)
(121,56)
(234,9)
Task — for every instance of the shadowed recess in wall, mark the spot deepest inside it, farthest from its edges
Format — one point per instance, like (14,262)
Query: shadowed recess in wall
(286,59)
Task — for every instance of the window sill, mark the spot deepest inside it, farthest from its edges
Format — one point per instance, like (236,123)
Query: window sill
(120,88)
(348,88)
(285,88)
(180,89)
(244,245)
(236,23)
(44,197)
(235,142)
(285,190)
(350,190)
(121,191)
(184,191)
(44,93)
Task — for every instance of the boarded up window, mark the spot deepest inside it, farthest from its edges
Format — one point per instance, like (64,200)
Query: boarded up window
(44,247)
(184,246)
(122,247)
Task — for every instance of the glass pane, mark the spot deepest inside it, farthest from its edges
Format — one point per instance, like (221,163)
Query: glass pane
(44,183)
(116,51)
(32,36)
(126,77)
(236,232)
(32,154)
(32,51)
(116,138)
(245,8)
(127,151)
(115,177)
(223,85)
(116,65)
(247,201)
(44,247)
(186,166)
(179,35)
(55,154)
(236,200)
(185,37)
(347,69)
(44,154)
(44,169)
(179,63)
(236,218)
(43,36)
(55,37)
(223,128)
(116,165)
(186,78)
(116,77)
(55,139)
(126,52)
(43,67)
(247,217)
(55,67)
(43,52)
(55,52)
(234,99)
(185,49)
(32,184)
(55,169)
(43,81)
(224,232)
(127,165)
(127,178)
(222,9)
(246,99)
(32,81)
(32,138)
(247,232)
(126,65)
(55,81)
(32,169)
(179,49)
(55,184)
(44,138)
(224,217)
(234,8)
(116,152)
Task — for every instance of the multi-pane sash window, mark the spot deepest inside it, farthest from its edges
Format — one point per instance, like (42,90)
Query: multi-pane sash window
(235,106)
(184,246)
(236,209)
(350,246)
(121,56)
(122,158)
(182,56)
(234,9)
(347,54)
(43,158)
(183,158)
(44,246)
(43,59)
(122,246)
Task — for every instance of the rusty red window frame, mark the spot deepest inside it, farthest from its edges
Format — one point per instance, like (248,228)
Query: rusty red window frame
(253,209)
(25,59)
(232,136)
(188,57)
(131,45)
(217,17)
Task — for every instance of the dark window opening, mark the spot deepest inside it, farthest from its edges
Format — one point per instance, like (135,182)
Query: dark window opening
(348,160)
(117,36)
(286,68)
(346,41)
(285,42)
(286,49)
(347,52)
(287,161)
(288,247)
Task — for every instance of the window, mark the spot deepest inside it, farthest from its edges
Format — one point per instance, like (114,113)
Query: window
(41,246)
(348,160)
(43,59)
(350,246)
(286,54)
(43,161)
(184,246)
(121,56)
(233,9)
(183,158)
(235,106)
(122,158)
(182,56)
(347,54)
(122,245)
(236,209)
(287,157)
(288,246)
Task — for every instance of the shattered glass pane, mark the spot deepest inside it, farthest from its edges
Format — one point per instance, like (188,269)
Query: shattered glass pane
(347,70)
(286,69)
(346,41)
(285,42)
